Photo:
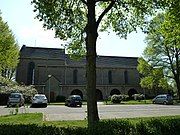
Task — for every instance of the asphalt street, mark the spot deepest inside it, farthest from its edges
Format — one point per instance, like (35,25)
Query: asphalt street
(54,112)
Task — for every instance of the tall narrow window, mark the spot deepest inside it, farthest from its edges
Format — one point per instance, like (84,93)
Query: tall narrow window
(126,77)
(110,77)
(30,75)
(75,76)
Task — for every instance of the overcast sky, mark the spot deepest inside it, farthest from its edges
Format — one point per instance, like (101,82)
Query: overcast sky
(20,17)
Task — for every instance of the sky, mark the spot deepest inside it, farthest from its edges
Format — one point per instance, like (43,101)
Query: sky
(29,31)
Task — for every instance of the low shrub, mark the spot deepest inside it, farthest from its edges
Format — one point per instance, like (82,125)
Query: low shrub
(116,98)
(60,98)
(138,96)
(153,126)
(113,127)
(34,129)
(126,98)
(161,126)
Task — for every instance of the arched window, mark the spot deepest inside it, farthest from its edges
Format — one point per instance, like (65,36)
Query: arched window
(115,92)
(77,92)
(110,76)
(75,76)
(126,77)
(132,92)
(30,75)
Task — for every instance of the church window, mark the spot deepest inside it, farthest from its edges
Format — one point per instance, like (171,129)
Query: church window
(30,75)
(110,76)
(126,77)
(75,76)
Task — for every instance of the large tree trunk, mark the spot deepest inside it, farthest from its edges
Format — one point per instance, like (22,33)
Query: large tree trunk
(177,80)
(91,38)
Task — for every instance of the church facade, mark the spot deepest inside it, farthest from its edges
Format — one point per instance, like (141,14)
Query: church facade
(54,73)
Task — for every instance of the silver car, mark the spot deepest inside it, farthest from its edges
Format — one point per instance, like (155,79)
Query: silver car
(15,99)
(39,100)
(163,99)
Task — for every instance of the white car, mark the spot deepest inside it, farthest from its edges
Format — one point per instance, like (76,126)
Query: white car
(39,100)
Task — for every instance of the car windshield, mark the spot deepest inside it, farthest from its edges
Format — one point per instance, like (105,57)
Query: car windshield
(76,98)
(15,96)
(39,97)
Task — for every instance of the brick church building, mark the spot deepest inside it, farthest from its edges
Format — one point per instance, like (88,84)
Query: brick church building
(54,73)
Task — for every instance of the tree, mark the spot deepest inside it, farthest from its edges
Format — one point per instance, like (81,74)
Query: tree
(9,51)
(152,77)
(79,21)
(163,46)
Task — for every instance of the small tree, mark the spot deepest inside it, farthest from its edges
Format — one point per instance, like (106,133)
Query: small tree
(9,51)
(163,46)
(79,21)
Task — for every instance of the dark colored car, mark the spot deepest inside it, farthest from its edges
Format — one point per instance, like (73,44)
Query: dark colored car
(163,99)
(73,101)
(15,99)
(39,100)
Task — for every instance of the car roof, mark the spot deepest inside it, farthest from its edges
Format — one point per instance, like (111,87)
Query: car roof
(16,93)
(74,96)
(39,95)
(163,95)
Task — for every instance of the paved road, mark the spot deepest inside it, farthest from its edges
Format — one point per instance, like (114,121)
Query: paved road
(54,113)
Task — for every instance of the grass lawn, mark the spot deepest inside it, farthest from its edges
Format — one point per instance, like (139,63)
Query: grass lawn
(131,102)
(137,102)
(22,118)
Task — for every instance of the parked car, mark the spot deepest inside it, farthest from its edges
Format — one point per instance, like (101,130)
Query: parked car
(39,100)
(163,99)
(73,101)
(15,99)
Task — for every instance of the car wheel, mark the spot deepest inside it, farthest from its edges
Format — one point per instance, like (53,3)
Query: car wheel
(165,103)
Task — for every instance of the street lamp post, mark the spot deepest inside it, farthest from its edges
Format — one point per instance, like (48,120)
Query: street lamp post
(49,88)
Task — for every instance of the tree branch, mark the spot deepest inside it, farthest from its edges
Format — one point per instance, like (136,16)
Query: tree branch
(105,11)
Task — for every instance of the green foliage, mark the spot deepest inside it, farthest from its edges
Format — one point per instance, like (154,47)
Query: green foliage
(25,118)
(143,126)
(152,77)
(163,47)
(158,127)
(7,86)
(113,127)
(9,50)
(69,18)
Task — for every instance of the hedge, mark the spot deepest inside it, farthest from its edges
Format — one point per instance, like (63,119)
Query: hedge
(154,126)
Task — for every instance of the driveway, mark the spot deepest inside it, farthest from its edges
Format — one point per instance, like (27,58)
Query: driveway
(54,113)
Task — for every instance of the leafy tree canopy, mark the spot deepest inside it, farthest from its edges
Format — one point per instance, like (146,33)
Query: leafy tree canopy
(152,78)
(163,45)
(9,51)
(69,18)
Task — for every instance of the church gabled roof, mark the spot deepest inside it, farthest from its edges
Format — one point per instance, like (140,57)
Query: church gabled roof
(57,53)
